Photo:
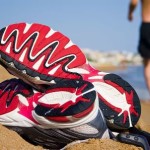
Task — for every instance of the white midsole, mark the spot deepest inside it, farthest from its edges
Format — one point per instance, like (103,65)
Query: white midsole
(14,118)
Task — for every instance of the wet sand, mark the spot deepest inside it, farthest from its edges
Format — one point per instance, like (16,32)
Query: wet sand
(10,140)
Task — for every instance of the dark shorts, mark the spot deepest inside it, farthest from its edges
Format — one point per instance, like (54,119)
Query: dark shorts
(144,40)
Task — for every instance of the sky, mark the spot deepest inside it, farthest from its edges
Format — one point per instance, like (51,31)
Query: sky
(94,24)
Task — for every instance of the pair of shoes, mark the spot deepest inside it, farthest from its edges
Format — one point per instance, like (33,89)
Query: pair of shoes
(65,112)
(41,56)
(46,60)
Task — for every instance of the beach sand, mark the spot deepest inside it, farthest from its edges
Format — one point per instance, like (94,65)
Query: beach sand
(10,140)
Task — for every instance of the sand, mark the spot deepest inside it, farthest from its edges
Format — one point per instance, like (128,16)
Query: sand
(103,144)
(10,140)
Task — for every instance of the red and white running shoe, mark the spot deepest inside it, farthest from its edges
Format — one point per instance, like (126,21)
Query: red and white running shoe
(66,112)
(118,100)
(39,55)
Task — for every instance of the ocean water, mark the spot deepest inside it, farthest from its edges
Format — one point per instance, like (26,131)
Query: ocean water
(134,75)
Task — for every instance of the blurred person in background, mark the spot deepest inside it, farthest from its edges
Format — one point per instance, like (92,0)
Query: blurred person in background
(144,34)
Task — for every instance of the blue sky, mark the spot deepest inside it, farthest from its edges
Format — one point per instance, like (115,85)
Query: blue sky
(94,24)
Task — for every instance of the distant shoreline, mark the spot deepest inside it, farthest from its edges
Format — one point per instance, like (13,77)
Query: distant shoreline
(109,67)
(112,67)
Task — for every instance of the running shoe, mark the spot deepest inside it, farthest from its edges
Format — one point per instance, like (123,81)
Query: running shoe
(118,100)
(64,113)
(41,56)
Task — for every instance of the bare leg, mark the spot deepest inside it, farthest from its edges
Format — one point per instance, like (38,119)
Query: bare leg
(147,72)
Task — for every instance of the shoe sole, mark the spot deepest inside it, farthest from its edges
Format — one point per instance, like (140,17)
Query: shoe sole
(121,114)
(39,52)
